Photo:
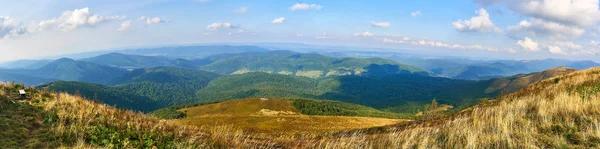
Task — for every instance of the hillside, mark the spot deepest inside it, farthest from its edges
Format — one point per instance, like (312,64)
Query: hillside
(560,112)
(512,84)
(193,52)
(271,116)
(70,70)
(66,121)
(167,86)
(303,64)
(404,93)
(129,61)
(104,94)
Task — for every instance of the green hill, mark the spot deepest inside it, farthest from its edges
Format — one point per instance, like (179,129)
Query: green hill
(129,61)
(70,70)
(138,61)
(399,93)
(107,95)
(301,64)
(167,86)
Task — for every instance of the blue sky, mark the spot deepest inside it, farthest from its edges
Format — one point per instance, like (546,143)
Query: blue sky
(502,29)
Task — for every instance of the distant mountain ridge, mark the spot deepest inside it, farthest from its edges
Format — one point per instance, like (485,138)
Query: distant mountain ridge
(303,64)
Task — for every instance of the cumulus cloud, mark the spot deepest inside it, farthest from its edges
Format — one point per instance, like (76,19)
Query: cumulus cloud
(278,20)
(572,12)
(380,24)
(8,27)
(304,6)
(479,23)
(555,50)
(241,10)
(125,25)
(416,13)
(300,35)
(364,34)
(551,29)
(217,26)
(68,20)
(152,20)
(528,44)
(322,36)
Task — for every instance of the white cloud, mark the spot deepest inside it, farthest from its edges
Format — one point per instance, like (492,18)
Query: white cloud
(572,12)
(8,27)
(416,13)
(387,40)
(217,26)
(201,1)
(555,50)
(304,6)
(152,20)
(322,36)
(480,23)
(528,44)
(438,44)
(300,35)
(241,10)
(125,25)
(278,20)
(364,34)
(380,24)
(512,51)
(68,20)
(550,29)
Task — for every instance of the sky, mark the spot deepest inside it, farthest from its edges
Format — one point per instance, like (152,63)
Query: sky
(496,29)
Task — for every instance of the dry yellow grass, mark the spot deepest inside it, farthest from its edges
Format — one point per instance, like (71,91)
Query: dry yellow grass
(273,117)
(549,114)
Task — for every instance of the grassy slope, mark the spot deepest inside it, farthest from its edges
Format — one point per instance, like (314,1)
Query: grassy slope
(560,112)
(280,117)
(62,120)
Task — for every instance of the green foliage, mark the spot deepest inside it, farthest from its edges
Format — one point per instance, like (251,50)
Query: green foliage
(396,93)
(588,90)
(336,108)
(168,86)
(104,94)
(168,113)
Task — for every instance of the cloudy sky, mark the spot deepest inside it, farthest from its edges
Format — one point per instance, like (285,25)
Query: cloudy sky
(503,29)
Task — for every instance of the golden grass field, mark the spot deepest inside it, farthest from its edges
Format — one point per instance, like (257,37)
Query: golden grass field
(273,117)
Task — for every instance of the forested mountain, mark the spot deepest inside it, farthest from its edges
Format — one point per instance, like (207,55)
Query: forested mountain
(398,93)
(69,70)
(193,52)
(138,61)
(166,85)
(25,64)
(129,61)
(486,69)
(104,94)
(162,86)
(304,64)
